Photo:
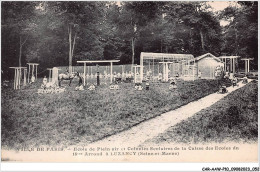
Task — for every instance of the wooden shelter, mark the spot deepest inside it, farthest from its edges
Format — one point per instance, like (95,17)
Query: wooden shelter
(98,61)
(206,65)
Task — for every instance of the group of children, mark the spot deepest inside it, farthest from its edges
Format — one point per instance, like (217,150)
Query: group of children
(234,81)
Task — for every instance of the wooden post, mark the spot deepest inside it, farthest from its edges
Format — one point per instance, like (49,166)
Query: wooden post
(84,74)
(153,68)
(32,70)
(36,72)
(29,74)
(234,67)
(19,77)
(135,75)
(166,72)
(24,77)
(245,66)
(158,68)
(111,72)
(15,79)
(248,66)
(224,65)
(49,75)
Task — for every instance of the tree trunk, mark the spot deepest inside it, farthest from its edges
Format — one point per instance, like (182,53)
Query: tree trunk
(20,53)
(191,41)
(161,46)
(70,50)
(20,49)
(236,39)
(202,41)
(133,51)
(72,46)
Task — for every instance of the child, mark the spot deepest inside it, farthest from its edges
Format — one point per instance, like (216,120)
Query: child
(147,85)
(199,74)
(91,87)
(44,81)
(173,85)
(234,81)
(33,79)
(245,80)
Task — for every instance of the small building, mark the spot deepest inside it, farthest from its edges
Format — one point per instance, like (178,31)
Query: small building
(208,66)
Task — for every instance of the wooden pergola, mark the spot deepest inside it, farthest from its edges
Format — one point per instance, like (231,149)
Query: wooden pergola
(33,65)
(232,62)
(98,61)
(247,61)
(17,76)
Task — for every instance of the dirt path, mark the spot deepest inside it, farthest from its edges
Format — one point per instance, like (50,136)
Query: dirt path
(153,127)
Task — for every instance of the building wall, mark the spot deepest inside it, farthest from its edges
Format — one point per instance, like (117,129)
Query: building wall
(207,67)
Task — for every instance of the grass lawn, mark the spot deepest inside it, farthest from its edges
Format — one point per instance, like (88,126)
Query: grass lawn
(234,118)
(29,119)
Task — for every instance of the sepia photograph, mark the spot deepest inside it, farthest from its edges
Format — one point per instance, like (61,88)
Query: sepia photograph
(129,81)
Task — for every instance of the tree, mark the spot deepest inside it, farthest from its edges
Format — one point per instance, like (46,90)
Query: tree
(240,35)
(18,21)
(133,19)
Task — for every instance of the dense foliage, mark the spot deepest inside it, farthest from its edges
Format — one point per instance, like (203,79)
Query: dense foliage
(54,33)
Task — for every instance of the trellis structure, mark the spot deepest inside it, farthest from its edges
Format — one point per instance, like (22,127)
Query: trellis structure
(178,63)
(247,66)
(232,60)
(34,70)
(18,76)
(98,61)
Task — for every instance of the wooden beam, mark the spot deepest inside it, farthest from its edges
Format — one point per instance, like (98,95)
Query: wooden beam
(98,61)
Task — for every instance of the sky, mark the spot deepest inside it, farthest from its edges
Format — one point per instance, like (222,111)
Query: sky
(221,5)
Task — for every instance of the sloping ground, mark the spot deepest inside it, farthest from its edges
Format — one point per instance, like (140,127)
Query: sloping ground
(147,130)
(74,117)
(232,119)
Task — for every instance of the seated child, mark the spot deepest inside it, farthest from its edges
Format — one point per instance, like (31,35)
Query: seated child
(44,82)
(33,79)
(234,81)
(147,85)
(245,80)
(92,87)
(173,85)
